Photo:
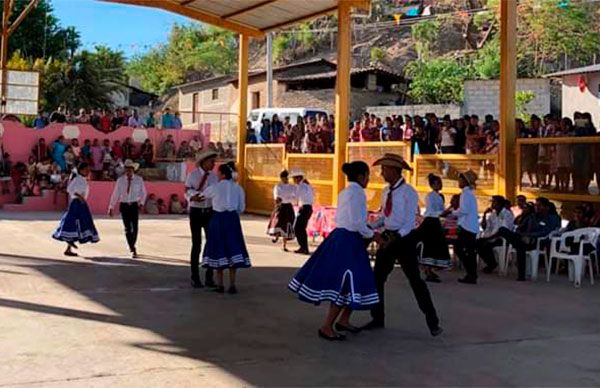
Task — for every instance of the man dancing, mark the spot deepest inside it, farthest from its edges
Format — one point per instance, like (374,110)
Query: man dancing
(398,242)
(130,194)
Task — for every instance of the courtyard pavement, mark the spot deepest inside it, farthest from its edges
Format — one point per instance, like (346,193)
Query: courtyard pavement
(104,320)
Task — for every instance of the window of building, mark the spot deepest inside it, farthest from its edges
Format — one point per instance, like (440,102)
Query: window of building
(255,100)
(215,94)
(194,107)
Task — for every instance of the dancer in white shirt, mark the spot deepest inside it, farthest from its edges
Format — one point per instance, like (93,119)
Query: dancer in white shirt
(226,248)
(130,194)
(339,271)
(281,223)
(77,225)
(305,196)
(468,227)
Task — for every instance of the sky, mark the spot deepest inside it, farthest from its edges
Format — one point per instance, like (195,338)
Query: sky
(132,29)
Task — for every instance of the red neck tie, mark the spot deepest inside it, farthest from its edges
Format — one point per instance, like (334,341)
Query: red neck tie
(203,181)
(387,209)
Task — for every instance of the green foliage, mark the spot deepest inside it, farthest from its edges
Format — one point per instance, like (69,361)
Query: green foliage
(281,43)
(191,48)
(425,35)
(41,35)
(306,37)
(377,54)
(522,98)
(111,62)
(438,81)
(486,64)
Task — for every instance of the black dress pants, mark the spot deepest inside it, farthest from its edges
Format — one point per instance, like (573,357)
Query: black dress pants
(485,248)
(517,242)
(466,249)
(199,219)
(130,214)
(402,250)
(300,226)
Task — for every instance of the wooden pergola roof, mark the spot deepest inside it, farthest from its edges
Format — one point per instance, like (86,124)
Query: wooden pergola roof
(249,17)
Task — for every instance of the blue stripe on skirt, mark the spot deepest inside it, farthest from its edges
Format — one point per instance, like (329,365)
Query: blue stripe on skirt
(77,225)
(339,272)
(225,246)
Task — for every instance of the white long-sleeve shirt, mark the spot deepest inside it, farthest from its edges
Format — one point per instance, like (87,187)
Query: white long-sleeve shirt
(305,194)
(434,204)
(496,221)
(468,215)
(192,187)
(352,212)
(405,202)
(137,191)
(286,192)
(226,196)
(78,185)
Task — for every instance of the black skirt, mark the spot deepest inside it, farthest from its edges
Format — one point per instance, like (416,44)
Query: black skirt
(281,223)
(435,247)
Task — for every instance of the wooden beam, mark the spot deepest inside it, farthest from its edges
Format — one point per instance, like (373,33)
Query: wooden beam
(6,12)
(248,9)
(242,108)
(507,171)
(32,4)
(186,2)
(193,13)
(342,96)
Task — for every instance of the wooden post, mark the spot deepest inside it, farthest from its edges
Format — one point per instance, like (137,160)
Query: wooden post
(7,10)
(507,178)
(243,108)
(342,96)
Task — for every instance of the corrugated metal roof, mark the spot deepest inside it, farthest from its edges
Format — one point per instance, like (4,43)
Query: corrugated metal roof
(333,74)
(577,70)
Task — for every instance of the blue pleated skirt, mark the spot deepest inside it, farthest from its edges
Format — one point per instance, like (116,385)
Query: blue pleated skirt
(77,225)
(339,272)
(225,247)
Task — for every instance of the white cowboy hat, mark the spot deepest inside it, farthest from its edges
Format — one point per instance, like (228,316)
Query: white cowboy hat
(131,164)
(295,172)
(470,176)
(393,160)
(202,156)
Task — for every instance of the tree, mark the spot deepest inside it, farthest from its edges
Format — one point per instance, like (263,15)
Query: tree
(486,64)
(40,35)
(377,55)
(208,51)
(112,63)
(425,35)
(438,81)
(522,98)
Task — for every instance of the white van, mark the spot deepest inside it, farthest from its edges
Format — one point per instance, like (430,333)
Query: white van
(257,116)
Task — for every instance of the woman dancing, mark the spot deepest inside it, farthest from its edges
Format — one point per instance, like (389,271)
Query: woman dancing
(281,224)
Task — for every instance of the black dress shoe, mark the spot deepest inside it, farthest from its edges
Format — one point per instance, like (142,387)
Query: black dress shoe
(210,283)
(373,325)
(336,337)
(196,284)
(490,268)
(467,280)
(349,329)
(232,290)
(436,331)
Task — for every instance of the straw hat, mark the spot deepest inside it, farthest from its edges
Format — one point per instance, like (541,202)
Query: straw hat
(295,172)
(393,160)
(202,156)
(470,176)
(131,164)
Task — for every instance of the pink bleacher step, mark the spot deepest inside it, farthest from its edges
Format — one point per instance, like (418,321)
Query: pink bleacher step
(47,202)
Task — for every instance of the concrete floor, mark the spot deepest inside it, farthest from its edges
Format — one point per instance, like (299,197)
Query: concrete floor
(105,320)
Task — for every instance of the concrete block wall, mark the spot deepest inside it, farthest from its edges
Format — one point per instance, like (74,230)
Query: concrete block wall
(413,110)
(483,97)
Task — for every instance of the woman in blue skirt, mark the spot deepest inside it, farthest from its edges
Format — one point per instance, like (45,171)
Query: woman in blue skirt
(77,225)
(339,271)
(225,249)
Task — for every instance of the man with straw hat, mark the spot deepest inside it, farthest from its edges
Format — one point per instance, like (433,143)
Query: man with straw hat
(399,204)
(200,210)
(468,227)
(305,196)
(130,194)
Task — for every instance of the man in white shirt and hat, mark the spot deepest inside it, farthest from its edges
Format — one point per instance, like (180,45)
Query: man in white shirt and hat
(305,196)
(200,210)
(468,226)
(398,242)
(130,194)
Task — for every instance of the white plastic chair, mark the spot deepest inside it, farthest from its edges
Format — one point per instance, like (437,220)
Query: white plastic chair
(577,261)
(532,258)
(500,252)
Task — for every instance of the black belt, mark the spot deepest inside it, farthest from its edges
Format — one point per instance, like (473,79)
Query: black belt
(129,203)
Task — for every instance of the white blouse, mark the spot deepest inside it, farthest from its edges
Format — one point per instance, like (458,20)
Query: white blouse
(305,194)
(78,185)
(352,212)
(226,196)
(434,205)
(286,192)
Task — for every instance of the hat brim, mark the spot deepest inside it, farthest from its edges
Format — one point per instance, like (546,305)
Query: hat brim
(402,165)
(208,155)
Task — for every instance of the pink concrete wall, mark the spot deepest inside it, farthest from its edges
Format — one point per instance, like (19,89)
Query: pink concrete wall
(18,140)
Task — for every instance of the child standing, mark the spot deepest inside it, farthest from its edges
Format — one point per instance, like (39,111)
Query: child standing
(227,249)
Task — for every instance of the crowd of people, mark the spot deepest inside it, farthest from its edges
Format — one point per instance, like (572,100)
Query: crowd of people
(107,120)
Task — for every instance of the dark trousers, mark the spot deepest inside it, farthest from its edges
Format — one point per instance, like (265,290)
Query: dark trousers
(466,249)
(199,219)
(485,248)
(300,226)
(130,214)
(516,241)
(403,250)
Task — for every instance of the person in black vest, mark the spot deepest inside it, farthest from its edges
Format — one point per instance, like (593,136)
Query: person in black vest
(305,196)
(200,210)
(398,242)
